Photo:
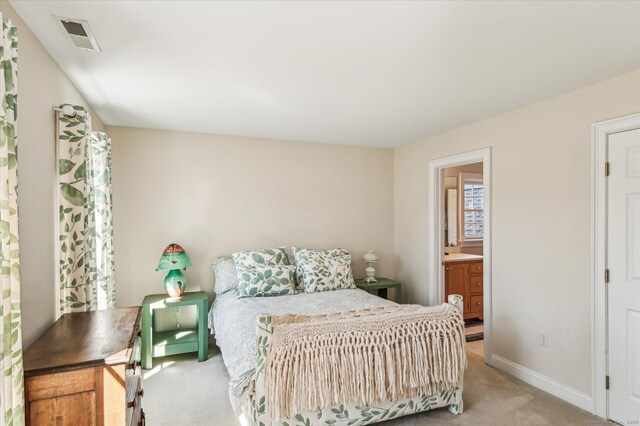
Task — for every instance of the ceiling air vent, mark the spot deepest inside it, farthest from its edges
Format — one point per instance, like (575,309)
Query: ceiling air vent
(79,32)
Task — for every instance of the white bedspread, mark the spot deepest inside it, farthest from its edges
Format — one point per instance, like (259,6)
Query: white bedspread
(233,321)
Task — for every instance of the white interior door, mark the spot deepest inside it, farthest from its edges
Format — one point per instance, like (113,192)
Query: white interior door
(623,260)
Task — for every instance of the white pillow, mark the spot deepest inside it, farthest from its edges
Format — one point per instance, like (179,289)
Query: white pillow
(225,272)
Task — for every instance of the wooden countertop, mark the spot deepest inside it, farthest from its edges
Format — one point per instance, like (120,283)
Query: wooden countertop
(84,339)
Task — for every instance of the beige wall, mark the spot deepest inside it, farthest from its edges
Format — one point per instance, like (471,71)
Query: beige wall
(541,222)
(41,84)
(218,194)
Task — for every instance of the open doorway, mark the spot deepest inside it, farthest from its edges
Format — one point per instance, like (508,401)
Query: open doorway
(463,228)
(460,240)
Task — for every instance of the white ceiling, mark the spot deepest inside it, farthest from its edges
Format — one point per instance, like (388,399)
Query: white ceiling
(359,73)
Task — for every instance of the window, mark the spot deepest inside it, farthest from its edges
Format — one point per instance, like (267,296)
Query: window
(472,209)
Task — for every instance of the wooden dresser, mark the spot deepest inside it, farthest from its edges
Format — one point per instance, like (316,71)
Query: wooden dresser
(85,370)
(465,277)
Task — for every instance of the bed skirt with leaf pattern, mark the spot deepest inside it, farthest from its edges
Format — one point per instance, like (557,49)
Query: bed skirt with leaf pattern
(254,406)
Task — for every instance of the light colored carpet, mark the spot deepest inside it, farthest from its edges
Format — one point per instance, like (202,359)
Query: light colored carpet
(181,391)
(476,347)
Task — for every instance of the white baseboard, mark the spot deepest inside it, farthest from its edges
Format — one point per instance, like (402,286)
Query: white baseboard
(547,384)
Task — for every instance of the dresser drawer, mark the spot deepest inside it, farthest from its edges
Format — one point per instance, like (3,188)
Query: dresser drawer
(475,268)
(133,373)
(133,395)
(475,284)
(133,378)
(136,353)
(475,304)
(135,414)
(133,383)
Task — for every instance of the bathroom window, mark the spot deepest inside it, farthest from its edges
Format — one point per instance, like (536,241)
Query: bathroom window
(472,207)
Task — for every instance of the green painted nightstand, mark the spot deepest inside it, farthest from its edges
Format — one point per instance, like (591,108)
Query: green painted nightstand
(382,284)
(171,342)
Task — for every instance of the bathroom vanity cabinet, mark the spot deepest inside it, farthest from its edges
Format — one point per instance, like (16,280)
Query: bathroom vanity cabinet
(463,275)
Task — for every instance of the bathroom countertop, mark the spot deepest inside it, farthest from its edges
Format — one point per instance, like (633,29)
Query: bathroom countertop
(461,257)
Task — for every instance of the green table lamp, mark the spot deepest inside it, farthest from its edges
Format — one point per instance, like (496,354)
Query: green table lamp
(174,259)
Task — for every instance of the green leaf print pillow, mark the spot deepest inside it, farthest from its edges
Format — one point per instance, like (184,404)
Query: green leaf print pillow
(264,273)
(264,280)
(269,257)
(304,254)
(324,270)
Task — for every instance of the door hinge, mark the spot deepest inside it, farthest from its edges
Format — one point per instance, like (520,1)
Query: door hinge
(606,275)
(606,168)
(606,382)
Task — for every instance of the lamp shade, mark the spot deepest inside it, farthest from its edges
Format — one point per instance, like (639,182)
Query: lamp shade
(173,257)
(370,256)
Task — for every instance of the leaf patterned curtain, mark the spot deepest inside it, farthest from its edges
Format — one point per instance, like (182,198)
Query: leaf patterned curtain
(100,239)
(11,389)
(85,255)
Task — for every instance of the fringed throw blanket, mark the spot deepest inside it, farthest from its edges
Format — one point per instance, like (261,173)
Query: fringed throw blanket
(362,357)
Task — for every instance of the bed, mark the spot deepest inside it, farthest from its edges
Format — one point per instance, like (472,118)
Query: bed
(243,334)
